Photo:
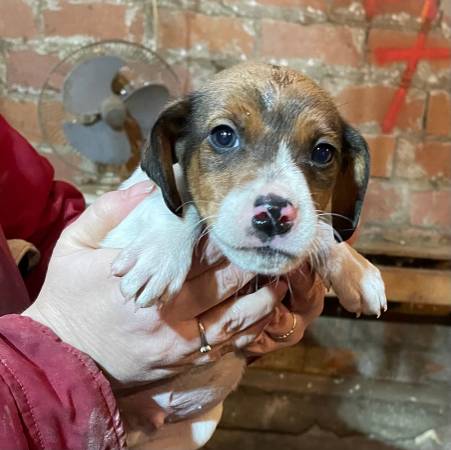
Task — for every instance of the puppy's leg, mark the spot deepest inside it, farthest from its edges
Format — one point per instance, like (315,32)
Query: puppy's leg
(357,283)
(157,249)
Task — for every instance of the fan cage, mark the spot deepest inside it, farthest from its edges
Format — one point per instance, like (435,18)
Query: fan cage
(149,67)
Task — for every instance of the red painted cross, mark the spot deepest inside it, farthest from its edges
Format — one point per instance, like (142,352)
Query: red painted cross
(410,55)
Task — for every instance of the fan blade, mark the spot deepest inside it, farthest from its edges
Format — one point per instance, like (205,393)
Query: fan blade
(146,103)
(98,142)
(89,84)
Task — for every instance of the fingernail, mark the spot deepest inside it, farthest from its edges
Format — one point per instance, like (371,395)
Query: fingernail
(140,189)
(212,254)
(281,288)
(114,270)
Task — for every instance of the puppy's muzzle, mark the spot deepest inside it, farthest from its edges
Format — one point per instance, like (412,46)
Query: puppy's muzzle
(273,215)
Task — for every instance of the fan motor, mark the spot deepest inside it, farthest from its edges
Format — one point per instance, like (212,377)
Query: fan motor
(113,112)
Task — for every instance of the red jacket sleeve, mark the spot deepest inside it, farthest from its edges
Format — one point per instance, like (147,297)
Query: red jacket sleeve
(13,294)
(53,397)
(33,206)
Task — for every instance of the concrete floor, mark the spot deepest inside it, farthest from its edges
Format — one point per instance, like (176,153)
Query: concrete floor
(350,385)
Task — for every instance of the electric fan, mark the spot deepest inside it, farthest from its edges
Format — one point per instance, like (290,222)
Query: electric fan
(98,105)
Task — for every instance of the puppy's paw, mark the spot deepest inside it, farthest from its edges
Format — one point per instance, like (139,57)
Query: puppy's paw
(358,284)
(151,271)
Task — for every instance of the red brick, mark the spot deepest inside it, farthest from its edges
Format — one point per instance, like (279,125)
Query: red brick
(16,19)
(184,77)
(97,20)
(365,104)
(431,208)
(382,149)
(319,5)
(446,7)
(382,202)
(28,68)
(410,7)
(331,44)
(384,38)
(434,158)
(23,116)
(438,119)
(218,34)
(137,27)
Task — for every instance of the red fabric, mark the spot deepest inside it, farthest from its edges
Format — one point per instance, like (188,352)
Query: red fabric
(13,294)
(33,206)
(53,397)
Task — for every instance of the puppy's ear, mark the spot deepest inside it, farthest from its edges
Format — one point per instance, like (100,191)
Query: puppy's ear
(351,184)
(159,154)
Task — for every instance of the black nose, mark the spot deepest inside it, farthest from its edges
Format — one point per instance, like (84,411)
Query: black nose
(269,220)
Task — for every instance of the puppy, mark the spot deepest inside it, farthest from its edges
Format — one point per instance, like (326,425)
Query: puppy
(262,160)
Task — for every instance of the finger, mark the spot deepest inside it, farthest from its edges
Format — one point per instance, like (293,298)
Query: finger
(103,215)
(246,338)
(309,305)
(206,255)
(308,293)
(207,290)
(302,279)
(237,342)
(230,318)
(268,341)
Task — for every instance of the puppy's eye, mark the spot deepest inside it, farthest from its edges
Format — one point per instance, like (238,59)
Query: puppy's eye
(323,154)
(223,138)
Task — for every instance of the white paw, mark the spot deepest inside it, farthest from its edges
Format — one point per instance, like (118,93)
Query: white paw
(361,289)
(357,283)
(151,271)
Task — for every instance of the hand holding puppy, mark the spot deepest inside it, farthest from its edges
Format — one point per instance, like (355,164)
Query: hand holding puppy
(82,303)
(143,351)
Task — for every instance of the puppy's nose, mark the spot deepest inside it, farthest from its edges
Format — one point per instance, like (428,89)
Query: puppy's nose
(273,215)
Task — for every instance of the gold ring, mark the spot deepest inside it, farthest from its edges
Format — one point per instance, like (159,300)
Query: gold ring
(282,337)
(205,347)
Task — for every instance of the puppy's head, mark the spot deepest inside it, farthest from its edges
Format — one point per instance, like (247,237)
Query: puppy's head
(264,153)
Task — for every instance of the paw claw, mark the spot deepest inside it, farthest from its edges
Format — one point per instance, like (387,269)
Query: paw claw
(144,303)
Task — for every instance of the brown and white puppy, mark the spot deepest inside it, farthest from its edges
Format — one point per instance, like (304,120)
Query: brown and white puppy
(263,155)
(267,165)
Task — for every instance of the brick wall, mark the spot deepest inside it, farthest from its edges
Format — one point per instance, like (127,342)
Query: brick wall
(331,40)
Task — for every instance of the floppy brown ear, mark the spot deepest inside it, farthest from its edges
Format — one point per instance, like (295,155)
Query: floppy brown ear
(351,184)
(159,154)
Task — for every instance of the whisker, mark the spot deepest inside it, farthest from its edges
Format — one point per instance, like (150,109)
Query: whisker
(192,202)
(290,289)
(328,214)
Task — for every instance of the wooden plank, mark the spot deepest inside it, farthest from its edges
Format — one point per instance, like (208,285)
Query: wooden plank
(441,253)
(420,286)
(425,286)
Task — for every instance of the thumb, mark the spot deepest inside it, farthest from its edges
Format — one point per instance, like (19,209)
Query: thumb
(103,215)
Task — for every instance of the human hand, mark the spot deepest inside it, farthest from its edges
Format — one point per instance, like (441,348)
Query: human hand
(82,303)
(145,421)
(306,302)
